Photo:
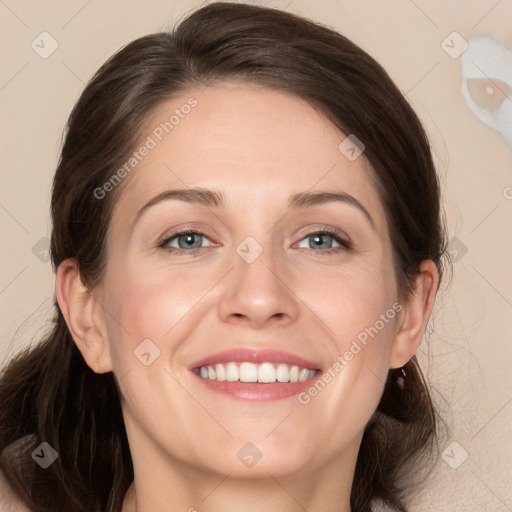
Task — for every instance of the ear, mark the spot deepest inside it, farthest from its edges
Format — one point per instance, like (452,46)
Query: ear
(414,317)
(84,317)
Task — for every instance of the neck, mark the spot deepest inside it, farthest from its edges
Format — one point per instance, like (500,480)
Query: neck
(187,490)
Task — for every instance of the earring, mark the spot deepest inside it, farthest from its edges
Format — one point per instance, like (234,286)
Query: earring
(400,380)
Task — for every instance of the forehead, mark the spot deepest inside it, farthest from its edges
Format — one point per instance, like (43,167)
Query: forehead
(257,145)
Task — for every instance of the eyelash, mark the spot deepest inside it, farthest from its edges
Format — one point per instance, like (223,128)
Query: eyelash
(345,245)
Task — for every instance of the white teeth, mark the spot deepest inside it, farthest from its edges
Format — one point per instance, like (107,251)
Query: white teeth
(220,372)
(303,375)
(266,373)
(232,372)
(283,374)
(250,372)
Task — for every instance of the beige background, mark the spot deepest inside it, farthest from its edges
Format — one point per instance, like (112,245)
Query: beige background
(467,354)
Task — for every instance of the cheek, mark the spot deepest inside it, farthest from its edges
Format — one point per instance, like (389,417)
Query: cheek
(148,305)
(151,315)
(351,302)
(359,312)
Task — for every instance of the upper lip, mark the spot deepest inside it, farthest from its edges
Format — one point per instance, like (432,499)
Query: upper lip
(253,355)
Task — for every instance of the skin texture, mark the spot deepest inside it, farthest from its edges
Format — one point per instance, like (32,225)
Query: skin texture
(258,147)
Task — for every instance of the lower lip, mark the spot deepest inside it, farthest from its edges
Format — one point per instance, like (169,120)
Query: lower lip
(261,392)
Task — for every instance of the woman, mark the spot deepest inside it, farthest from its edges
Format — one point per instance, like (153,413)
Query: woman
(248,245)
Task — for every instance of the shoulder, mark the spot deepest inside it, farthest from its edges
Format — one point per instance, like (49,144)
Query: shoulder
(9,501)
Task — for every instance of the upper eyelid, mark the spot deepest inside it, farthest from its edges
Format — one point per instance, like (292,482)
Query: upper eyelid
(167,239)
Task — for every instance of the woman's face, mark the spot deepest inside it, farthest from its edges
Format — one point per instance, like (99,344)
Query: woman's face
(256,282)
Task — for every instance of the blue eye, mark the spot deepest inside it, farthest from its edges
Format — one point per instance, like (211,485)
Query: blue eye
(189,242)
(186,240)
(322,241)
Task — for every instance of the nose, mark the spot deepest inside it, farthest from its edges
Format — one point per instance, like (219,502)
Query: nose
(259,293)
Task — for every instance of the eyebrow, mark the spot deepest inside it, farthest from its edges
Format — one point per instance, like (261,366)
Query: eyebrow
(215,199)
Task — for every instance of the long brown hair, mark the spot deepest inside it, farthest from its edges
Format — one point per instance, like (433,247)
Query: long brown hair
(48,394)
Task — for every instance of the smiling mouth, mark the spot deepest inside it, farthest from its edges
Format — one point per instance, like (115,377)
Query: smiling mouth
(264,373)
